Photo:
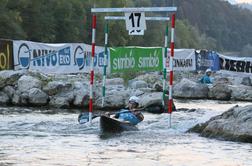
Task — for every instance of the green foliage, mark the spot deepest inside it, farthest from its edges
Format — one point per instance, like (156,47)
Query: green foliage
(215,24)
(246,51)
(229,25)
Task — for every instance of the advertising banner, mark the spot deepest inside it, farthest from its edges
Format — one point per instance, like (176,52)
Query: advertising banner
(6,56)
(236,64)
(207,59)
(184,60)
(56,58)
(134,59)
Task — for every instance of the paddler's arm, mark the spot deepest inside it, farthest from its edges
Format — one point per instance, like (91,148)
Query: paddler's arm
(138,114)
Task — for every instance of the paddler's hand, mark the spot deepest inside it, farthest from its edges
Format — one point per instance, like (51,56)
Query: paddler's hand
(107,114)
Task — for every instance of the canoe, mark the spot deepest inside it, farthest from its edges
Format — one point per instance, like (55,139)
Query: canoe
(112,125)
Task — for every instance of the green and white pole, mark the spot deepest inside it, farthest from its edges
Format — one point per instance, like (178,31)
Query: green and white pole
(105,63)
(164,69)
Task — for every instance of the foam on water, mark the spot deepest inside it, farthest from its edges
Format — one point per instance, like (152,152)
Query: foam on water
(57,139)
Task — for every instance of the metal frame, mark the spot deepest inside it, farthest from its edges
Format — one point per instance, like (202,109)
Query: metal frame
(146,18)
(125,10)
(141,9)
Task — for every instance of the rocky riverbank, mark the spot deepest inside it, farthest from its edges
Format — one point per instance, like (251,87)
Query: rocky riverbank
(233,125)
(23,88)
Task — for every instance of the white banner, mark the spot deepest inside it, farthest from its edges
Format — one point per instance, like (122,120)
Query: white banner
(183,60)
(236,64)
(56,58)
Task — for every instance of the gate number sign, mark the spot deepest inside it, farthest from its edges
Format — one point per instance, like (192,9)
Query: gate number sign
(135,21)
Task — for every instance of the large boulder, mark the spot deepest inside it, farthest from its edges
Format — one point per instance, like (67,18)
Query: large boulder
(9,77)
(246,81)
(148,99)
(116,96)
(114,81)
(62,100)
(233,125)
(241,92)
(4,98)
(54,87)
(150,78)
(81,94)
(26,83)
(220,89)
(220,92)
(37,97)
(190,89)
(20,98)
(9,90)
(136,84)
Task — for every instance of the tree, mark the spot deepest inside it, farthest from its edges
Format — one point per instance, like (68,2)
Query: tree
(246,51)
(10,22)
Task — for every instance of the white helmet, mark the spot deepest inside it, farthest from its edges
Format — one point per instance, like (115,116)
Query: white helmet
(134,99)
(208,70)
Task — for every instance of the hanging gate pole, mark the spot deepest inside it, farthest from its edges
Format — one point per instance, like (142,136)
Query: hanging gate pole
(92,69)
(171,67)
(165,69)
(105,63)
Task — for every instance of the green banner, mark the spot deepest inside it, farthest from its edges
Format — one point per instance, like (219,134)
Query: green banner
(125,59)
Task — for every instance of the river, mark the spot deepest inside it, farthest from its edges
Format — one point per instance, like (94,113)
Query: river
(38,137)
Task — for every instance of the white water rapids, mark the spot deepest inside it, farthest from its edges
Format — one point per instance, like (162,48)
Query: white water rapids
(36,138)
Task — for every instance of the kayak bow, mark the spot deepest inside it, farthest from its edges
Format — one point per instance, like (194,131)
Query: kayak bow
(112,125)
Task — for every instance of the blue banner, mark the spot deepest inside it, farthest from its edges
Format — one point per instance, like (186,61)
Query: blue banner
(207,59)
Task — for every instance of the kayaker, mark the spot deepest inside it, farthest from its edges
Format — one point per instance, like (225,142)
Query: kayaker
(206,79)
(132,114)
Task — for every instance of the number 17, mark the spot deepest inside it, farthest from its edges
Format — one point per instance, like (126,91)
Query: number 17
(132,19)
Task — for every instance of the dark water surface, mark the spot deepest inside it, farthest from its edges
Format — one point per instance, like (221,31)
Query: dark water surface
(38,138)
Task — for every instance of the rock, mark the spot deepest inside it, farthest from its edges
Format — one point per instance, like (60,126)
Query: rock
(26,83)
(81,94)
(220,92)
(54,87)
(40,76)
(4,98)
(62,100)
(136,92)
(151,99)
(61,94)
(233,125)
(9,90)
(158,86)
(37,97)
(116,97)
(241,92)
(20,98)
(16,99)
(136,84)
(114,81)
(220,89)
(189,89)
(246,81)
(150,78)
(9,77)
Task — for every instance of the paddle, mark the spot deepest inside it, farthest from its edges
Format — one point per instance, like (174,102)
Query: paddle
(84,116)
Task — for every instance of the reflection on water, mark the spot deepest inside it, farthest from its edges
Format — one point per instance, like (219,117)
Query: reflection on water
(43,138)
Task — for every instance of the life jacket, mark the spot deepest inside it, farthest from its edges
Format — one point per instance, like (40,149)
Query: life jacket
(133,117)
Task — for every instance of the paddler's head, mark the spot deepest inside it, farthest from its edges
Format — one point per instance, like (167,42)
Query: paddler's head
(208,72)
(133,102)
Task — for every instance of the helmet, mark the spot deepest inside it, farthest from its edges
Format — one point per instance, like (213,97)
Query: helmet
(208,70)
(134,99)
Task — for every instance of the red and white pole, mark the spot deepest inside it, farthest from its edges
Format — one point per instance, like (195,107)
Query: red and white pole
(171,66)
(92,69)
